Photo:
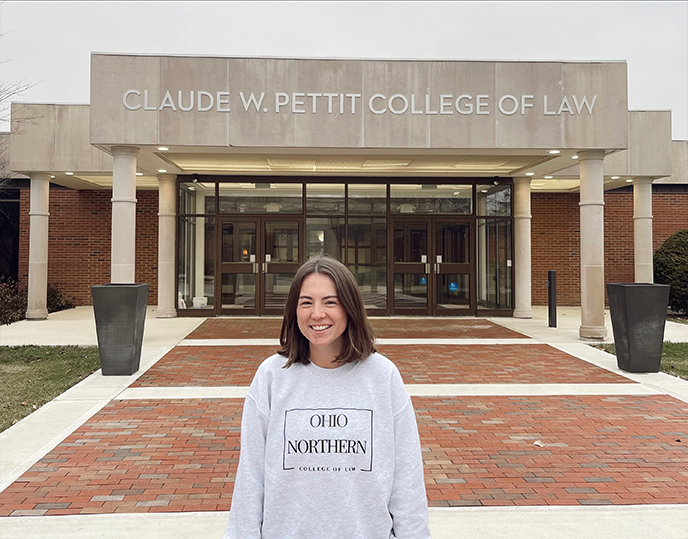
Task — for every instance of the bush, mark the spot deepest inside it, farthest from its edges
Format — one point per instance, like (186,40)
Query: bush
(14,301)
(671,267)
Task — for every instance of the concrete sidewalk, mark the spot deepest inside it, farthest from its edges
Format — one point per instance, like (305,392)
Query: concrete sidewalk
(31,439)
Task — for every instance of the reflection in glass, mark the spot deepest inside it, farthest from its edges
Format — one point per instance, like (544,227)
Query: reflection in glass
(493,199)
(276,289)
(261,198)
(325,199)
(282,241)
(410,291)
(367,199)
(196,263)
(494,264)
(431,199)
(410,241)
(325,237)
(238,241)
(453,242)
(453,291)
(238,291)
(367,249)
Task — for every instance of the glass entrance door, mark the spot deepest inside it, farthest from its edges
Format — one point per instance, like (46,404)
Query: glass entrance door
(410,271)
(258,258)
(432,271)
(454,272)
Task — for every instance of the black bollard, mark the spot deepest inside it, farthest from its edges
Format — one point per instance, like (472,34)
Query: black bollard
(552,298)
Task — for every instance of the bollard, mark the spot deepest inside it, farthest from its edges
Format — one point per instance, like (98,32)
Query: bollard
(552,298)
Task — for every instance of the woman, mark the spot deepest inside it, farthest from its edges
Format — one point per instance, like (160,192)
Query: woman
(329,442)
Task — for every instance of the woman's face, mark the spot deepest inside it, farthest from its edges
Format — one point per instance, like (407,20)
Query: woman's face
(321,317)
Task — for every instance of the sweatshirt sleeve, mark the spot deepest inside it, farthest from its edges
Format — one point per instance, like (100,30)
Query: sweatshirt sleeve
(408,503)
(246,514)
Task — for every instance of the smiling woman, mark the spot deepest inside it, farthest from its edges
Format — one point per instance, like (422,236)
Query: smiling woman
(328,418)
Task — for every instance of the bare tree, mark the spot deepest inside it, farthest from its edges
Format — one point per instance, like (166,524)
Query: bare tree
(9,91)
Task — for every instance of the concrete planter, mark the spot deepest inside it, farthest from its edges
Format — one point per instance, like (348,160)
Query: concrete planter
(120,312)
(638,312)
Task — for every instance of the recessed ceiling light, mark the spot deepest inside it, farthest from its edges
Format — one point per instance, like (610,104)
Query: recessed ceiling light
(52,175)
(139,173)
(574,157)
(548,177)
(554,152)
(163,148)
(162,170)
(615,177)
(530,173)
(69,173)
(629,180)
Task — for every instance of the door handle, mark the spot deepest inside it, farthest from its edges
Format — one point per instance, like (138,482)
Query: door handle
(427,268)
(437,269)
(255,267)
(265,267)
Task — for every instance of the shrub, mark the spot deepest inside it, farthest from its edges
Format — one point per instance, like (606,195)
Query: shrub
(671,267)
(14,301)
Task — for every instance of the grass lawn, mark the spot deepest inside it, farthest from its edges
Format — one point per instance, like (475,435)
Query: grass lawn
(674,357)
(30,376)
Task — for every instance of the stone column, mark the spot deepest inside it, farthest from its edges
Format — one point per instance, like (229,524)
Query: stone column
(522,268)
(592,244)
(642,230)
(123,250)
(167,214)
(37,308)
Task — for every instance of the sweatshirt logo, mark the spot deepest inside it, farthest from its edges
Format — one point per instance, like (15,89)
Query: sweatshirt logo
(328,440)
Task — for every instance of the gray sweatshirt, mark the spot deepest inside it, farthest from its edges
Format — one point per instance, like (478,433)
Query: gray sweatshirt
(329,454)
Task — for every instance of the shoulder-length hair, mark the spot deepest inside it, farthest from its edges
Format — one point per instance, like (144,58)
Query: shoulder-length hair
(359,339)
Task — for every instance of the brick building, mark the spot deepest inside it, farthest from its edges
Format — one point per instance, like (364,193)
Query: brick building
(448,188)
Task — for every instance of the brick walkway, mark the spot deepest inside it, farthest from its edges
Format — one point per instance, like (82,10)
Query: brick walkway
(385,328)
(181,455)
(418,364)
(163,455)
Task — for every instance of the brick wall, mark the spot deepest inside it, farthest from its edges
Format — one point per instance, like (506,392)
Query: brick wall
(79,241)
(556,237)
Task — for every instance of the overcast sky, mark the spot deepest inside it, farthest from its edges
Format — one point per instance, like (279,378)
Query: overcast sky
(49,43)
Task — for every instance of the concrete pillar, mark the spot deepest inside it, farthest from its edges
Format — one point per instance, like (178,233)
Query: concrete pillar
(592,244)
(123,246)
(522,263)
(37,308)
(167,214)
(642,230)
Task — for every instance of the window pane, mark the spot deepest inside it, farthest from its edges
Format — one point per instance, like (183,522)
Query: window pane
(196,198)
(260,198)
(196,236)
(494,264)
(367,199)
(367,249)
(238,291)
(325,199)
(410,290)
(325,237)
(494,199)
(431,198)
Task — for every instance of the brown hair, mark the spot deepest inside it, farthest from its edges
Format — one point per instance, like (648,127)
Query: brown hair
(359,339)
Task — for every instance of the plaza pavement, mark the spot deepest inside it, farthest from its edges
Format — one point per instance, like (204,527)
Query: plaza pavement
(526,430)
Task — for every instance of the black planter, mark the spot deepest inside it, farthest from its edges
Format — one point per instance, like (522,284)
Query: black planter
(638,312)
(120,312)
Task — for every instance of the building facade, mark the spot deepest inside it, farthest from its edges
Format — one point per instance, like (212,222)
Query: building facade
(448,188)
